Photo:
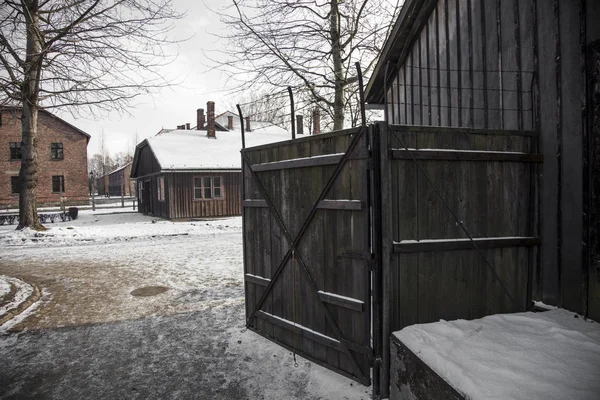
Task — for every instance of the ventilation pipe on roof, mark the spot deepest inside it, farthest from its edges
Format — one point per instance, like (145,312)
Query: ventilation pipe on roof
(230,122)
(299,125)
(316,121)
(248,124)
(210,118)
(200,119)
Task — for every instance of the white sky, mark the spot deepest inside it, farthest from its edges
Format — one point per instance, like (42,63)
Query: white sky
(173,106)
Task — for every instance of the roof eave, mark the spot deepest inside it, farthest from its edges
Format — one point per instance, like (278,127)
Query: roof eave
(393,48)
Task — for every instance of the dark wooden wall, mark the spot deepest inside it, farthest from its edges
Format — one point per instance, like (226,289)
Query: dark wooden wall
(490,196)
(181,196)
(512,64)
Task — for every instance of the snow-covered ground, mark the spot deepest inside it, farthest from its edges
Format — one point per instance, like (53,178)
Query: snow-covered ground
(89,337)
(547,355)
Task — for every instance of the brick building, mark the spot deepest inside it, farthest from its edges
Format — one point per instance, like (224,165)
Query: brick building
(62,155)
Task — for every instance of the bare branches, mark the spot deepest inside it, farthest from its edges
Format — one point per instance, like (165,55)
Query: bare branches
(92,52)
(310,44)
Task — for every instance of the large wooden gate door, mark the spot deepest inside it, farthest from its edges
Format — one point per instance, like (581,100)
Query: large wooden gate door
(307,248)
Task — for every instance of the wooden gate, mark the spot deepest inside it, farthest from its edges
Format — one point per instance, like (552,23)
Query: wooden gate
(308,256)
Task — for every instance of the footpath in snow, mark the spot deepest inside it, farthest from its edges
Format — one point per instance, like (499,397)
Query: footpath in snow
(545,355)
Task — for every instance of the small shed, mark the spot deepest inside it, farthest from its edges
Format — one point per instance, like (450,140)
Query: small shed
(192,173)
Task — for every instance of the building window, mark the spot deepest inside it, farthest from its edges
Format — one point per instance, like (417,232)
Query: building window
(15,151)
(15,185)
(58,183)
(56,151)
(207,187)
(161,188)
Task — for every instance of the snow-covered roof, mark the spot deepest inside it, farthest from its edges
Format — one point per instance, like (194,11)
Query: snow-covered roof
(179,149)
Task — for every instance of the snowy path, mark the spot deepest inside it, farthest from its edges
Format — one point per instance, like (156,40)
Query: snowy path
(92,339)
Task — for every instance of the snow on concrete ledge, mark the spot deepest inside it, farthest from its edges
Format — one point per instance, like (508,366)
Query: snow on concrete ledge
(547,355)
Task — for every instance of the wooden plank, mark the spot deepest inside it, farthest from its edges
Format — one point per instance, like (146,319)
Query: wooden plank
(356,205)
(454,130)
(449,155)
(342,301)
(410,246)
(329,159)
(305,332)
(299,330)
(258,280)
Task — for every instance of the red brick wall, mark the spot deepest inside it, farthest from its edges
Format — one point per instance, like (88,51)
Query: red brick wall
(73,166)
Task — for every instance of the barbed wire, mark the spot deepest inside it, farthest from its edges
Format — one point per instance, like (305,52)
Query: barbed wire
(416,86)
(496,71)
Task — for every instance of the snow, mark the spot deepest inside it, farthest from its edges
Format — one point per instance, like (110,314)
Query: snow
(192,150)
(23,291)
(547,355)
(4,287)
(109,226)
(188,342)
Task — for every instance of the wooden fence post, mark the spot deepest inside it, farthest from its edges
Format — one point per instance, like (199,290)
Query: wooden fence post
(386,253)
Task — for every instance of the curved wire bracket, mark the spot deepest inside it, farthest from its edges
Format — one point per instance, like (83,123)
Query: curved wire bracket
(289,88)
(242,125)
(361,94)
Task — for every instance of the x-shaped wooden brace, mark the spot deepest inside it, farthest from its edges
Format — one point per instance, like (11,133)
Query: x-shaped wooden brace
(294,242)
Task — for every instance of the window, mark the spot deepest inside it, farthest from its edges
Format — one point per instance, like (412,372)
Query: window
(56,151)
(15,151)
(15,185)
(58,183)
(161,188)
(207,187)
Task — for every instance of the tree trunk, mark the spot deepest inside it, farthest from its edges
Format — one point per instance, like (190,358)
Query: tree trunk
(338,68)
(28,217)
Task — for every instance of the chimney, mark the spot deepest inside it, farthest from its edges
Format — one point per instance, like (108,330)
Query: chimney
(248,125)
(210,119)
(299,125)
(316,121)
(230,122)
(200,119)
(187,126)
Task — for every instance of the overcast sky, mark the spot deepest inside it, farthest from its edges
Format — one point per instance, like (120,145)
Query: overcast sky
(173,106)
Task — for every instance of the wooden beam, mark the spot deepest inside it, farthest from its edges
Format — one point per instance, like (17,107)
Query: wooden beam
(355,205)
(259,280)
(470,131)
(427,246)
(329,159)
(342,301)
(453,155)
(299,330)
(308,333)
(331,298)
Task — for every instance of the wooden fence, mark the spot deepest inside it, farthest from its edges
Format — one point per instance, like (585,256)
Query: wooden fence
(431,223)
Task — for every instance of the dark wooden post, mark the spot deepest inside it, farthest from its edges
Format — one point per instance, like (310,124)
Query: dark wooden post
(386,254)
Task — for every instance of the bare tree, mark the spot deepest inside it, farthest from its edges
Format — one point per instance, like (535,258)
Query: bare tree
(87,55)
(312,45)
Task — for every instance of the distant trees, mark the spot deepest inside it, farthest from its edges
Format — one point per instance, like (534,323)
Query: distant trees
(86,55)
(312,46)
